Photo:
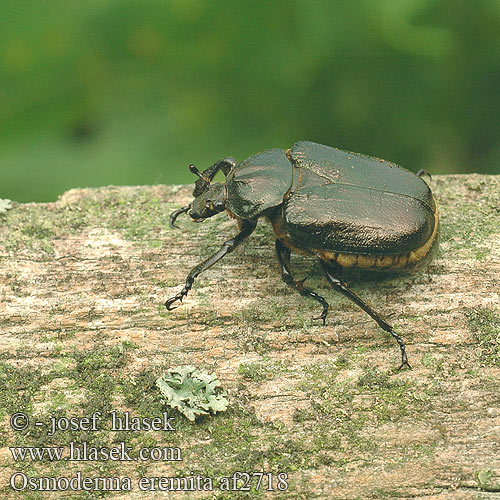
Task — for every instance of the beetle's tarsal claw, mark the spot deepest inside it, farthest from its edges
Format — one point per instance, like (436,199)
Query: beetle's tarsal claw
(404,358)
(325,305)
(322,318)
(405,363)
(169,302)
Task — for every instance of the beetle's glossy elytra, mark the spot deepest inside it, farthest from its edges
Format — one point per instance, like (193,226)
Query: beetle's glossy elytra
(348,209)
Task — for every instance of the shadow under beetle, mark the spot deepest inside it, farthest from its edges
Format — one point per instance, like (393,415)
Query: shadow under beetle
(347,209)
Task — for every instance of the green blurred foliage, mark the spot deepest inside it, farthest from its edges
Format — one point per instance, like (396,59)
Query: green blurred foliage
(96,92)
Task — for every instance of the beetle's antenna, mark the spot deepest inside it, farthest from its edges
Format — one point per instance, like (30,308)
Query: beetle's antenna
(202,183)
(195,171)
(226,164)
(206,177)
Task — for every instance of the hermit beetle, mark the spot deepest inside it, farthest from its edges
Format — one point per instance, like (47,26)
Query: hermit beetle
(347,209)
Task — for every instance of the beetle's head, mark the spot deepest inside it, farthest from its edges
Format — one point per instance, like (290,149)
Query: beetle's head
(210,202)
(210,199)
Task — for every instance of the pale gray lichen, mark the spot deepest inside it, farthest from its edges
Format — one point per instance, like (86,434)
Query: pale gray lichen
(192,392)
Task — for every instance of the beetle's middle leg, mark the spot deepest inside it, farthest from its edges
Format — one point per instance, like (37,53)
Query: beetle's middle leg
(246,229)
(283,254)
(332,274)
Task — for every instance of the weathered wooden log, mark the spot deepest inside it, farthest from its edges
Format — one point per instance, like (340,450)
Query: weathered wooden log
(83,329)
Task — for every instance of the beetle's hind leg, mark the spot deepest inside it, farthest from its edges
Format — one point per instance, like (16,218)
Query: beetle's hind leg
(283,254)
(332,274)
(423,172)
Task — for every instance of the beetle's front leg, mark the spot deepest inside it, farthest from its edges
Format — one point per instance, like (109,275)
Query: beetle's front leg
(333,276)
(283,254)
(246,229)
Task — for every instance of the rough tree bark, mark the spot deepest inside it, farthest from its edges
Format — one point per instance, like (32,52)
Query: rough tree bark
(83,328)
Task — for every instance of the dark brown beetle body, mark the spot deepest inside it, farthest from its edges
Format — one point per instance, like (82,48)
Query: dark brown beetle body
(348,209)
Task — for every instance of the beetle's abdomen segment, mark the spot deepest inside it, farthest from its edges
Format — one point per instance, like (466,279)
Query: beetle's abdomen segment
(358,226)
(398,262)
(258,183)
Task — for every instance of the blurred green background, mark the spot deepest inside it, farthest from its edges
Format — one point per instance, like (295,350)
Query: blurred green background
(96,92)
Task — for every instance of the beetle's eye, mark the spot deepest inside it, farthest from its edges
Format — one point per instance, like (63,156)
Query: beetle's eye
(219,206)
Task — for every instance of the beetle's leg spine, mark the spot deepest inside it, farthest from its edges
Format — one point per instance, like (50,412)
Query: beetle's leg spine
(283,255)
(331,274)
